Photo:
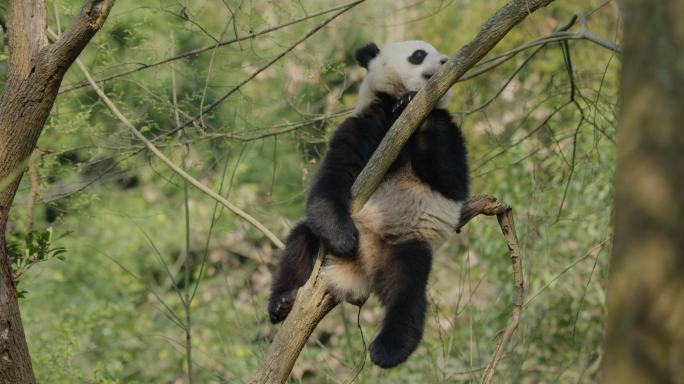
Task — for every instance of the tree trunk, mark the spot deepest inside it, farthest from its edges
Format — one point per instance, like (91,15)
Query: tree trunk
(34,75)
(645,336)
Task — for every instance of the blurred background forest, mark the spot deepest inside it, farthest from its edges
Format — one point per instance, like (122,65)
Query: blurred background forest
(107,218)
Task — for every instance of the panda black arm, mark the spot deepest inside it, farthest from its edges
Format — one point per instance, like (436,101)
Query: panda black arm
(438,155)
(351,147)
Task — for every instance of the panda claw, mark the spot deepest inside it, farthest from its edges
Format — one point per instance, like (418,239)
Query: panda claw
(403,101)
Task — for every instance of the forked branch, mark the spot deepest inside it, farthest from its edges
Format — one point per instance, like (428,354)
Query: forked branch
(490,206)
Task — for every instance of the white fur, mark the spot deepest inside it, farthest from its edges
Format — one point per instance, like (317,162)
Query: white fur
(392,73)
(403,209)
(347,280)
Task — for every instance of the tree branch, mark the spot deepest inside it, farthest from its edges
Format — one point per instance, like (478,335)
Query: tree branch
(491,206)
(313,299)
(80,31)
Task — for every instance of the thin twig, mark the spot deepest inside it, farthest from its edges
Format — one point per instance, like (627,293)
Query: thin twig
(168,312)
(254,74)
(215,214)
(187,303)
(527,136)
(281,128)
(573,92)
(506,57)
(186,285)
(156,252)
(210,67)
(506,83)
(558,36)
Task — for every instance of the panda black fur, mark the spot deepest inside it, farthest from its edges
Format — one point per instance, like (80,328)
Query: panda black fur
(387,246)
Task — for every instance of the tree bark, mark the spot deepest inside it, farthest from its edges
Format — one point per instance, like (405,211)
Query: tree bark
(313,300)
(35,72)
(645,335)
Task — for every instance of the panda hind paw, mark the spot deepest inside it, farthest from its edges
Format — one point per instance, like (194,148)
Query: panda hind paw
(388,351)
(280,305)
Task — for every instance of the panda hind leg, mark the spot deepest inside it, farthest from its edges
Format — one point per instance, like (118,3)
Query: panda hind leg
(294,269)
(401,287)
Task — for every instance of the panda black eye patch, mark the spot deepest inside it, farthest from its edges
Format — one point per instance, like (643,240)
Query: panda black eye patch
(417,57)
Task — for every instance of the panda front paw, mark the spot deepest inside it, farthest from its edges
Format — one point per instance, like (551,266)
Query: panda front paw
(331,223)
(401,104)
(344,242)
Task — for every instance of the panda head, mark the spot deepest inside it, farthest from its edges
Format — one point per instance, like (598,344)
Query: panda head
(397,68)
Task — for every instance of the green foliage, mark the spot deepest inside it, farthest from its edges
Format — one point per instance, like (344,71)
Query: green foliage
(27,250)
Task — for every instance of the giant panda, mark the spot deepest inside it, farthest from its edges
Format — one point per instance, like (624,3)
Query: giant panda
(386,247)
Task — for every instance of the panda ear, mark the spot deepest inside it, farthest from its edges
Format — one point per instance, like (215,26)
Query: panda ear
(366,53)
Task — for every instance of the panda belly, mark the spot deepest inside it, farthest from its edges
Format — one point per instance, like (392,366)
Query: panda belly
(402,209)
